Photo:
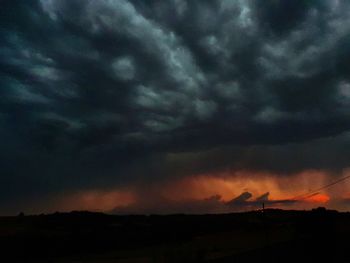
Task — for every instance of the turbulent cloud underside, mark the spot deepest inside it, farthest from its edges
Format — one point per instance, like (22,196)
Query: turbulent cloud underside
(100,94)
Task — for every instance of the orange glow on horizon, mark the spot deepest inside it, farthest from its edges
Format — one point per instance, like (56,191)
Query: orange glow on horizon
(228,185)
(319,198)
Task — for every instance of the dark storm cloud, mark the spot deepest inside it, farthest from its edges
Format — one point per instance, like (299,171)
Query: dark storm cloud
(100,92)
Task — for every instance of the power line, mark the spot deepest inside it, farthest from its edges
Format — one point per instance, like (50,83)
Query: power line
(316,191)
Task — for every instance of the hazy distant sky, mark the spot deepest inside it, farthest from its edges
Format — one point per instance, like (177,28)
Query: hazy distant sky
(172,105)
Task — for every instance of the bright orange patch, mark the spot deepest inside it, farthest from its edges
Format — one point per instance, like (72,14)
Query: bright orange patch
(319,198)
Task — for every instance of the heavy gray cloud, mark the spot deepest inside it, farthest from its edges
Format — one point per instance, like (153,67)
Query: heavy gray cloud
(95,93)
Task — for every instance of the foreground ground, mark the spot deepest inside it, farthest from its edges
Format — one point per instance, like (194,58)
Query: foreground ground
(273,236)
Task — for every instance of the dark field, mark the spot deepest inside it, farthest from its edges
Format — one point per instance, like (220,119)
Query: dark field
(273,236)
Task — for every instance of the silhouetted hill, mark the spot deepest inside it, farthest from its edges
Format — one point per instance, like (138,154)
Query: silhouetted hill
(274,236)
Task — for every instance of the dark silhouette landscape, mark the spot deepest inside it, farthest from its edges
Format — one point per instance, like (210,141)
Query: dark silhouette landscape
(272,235)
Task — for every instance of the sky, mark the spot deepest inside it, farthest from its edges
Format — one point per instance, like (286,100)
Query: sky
(173,106)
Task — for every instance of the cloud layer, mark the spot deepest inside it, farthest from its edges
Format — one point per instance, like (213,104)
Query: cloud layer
(100,94)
